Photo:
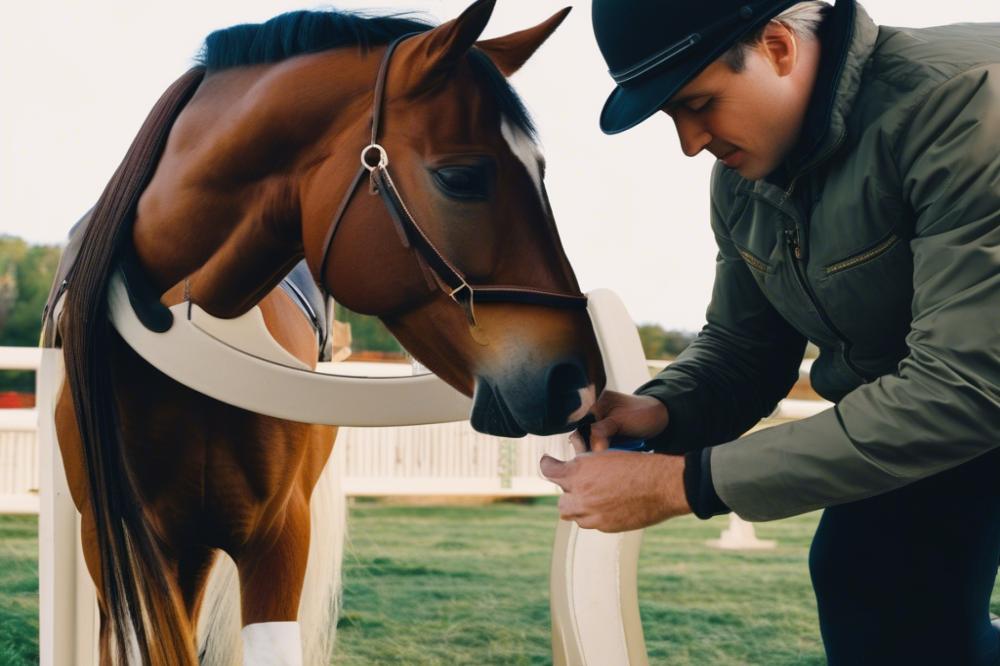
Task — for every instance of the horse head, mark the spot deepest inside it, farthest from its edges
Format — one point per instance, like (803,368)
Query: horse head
(473,280)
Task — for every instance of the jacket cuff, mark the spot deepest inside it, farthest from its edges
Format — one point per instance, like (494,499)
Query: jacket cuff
(674,438)
(698,486)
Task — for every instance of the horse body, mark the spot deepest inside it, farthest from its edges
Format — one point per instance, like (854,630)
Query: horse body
(253,169)
(213,477)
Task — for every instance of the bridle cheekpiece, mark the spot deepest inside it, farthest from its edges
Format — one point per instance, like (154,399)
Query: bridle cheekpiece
(451,280)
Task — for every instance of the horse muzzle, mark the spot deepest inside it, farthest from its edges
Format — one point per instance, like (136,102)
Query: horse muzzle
(547,402)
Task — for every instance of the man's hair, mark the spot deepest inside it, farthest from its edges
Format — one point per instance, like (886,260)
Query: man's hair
(802,19)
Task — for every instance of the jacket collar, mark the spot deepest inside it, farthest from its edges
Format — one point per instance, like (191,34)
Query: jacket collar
(847,38)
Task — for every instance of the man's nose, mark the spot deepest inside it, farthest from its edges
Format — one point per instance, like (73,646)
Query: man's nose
(692,134)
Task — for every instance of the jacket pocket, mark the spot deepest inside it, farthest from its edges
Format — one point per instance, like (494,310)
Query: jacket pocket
(753,261)
(870,254)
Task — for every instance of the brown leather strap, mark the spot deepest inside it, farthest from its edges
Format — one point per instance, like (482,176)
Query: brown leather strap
(377,103)
(460,289)
(380,83)
(338,216)
(447,276)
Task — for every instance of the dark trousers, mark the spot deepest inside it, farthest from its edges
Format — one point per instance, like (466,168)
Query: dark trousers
(906,577)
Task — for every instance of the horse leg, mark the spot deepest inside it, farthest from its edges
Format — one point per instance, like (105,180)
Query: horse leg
(189,570)
(193,568)
(272,568)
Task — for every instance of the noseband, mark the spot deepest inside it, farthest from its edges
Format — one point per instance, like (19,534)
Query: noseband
(451,280)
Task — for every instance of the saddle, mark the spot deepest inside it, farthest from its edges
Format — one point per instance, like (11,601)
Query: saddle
(333,337)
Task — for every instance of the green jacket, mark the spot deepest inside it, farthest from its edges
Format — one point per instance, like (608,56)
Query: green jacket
(879,241)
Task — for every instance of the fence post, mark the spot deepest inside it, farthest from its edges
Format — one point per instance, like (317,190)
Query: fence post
(740,535)
(593,595)
(67,602)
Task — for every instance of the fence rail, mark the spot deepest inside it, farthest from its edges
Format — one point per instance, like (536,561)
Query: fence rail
(445,459)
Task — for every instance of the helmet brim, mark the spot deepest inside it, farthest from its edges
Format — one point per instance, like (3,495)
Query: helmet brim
(630,105)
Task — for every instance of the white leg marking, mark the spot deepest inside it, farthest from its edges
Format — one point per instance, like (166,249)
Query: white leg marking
(587,399)
(272,644)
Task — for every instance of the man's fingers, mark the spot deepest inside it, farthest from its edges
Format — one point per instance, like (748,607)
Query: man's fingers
(607,401)
(589,523)
(601,434)
(552,468)
(576,439)
(569,507)
(555,471)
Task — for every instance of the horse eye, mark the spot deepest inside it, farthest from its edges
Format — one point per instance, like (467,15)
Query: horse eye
(463,182)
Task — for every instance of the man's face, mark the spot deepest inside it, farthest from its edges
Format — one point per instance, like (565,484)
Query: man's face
(750,119)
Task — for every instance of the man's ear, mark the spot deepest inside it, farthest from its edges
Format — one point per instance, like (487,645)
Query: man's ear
(435,52)
(510,52)
(781,47)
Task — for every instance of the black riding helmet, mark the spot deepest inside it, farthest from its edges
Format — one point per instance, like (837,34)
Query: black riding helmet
(655,47)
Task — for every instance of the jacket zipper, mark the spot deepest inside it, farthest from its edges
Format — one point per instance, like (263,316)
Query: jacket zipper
(753,261)
(792,239)
(864,257)
(795,248)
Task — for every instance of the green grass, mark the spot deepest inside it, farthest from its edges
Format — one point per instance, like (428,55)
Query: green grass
(469,585)
(18,590)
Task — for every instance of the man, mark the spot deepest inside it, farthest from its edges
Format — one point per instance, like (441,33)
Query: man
(856,204)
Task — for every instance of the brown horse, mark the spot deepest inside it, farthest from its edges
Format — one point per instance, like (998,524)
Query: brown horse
(233,180)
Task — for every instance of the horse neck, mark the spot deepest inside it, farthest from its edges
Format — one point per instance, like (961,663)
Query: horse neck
(222,210)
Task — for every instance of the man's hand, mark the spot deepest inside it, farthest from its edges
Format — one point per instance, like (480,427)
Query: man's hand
(617,491)
(633,416)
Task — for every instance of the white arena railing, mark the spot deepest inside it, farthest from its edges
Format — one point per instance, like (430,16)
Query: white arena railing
(445,459)
(593,593)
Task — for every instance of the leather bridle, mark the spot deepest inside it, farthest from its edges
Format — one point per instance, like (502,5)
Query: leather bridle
(451,280)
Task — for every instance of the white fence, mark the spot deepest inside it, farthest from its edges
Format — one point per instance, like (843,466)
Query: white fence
(18,461)
(594,597)
(446,459)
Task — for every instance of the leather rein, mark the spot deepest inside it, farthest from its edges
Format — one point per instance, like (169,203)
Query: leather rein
(449,278)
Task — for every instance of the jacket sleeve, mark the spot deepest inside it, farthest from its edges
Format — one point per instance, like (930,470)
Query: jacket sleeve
(743,362)
(941,407)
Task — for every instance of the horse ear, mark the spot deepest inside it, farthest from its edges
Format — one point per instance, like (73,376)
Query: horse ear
(508,53)
(439,49)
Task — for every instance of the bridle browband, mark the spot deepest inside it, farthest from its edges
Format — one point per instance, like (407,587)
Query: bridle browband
(451,280)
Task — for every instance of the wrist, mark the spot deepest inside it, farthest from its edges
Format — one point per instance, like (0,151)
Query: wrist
(673,498)
(699,490)
(684,503)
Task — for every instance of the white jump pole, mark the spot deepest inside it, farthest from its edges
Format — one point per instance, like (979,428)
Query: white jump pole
(68,618)
(593,586)
(595,611)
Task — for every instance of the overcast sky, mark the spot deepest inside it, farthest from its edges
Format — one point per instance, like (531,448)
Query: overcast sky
(79,77)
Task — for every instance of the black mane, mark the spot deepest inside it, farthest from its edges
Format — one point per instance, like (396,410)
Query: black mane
(300,32)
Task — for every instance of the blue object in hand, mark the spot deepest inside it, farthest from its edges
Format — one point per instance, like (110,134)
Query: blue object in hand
(629,444)
(618,443)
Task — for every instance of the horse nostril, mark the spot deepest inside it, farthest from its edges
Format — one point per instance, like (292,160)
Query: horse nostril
(564,383)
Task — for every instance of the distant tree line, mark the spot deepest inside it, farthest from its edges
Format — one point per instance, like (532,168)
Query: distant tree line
(659,343)
(367,333)
(26,273)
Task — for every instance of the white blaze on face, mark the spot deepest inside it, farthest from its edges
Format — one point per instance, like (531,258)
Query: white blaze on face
(272,644)
(525,150)
(528,153)
(588,396)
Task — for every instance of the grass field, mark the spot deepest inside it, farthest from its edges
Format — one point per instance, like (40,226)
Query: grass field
(18,590)
(468,585)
